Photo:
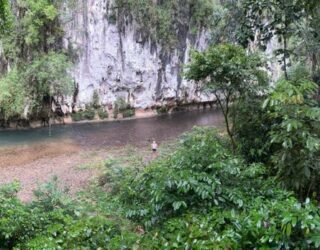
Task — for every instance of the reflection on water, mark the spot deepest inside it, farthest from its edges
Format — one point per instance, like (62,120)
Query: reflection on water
(138,132)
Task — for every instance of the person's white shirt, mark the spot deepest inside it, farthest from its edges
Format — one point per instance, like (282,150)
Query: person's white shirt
(154,146)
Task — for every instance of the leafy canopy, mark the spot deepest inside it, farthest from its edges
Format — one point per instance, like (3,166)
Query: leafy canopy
(230,73)
(12,95)
(296,131)
(32,46)
(24,89)
(200,196)
(203,197)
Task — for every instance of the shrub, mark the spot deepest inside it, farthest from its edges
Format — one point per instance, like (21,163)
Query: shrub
(251,127)
(202,173)
(88,114)
(203,197)
(128,113)
(51,196)
(115,113)
(121,105)
(77,116)
(162,110)
(102,113)
(278,224)
(95,232)
(296,132)
(54,221)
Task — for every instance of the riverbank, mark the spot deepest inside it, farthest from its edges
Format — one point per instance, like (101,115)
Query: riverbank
(75,167)
(138,114)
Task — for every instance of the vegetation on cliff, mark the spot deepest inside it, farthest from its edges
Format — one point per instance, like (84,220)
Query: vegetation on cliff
(35,67)
(164,22)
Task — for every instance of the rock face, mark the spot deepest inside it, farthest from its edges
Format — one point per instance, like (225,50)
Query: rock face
(116,62)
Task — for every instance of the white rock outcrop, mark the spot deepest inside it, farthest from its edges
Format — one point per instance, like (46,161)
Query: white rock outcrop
(119,64)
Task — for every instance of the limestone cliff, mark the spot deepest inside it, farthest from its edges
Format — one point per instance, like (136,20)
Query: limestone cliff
(116,59)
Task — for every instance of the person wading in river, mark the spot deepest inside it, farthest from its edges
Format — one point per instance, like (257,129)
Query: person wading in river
(154,146)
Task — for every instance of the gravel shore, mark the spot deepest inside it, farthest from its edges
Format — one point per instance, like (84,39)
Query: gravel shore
(36,164)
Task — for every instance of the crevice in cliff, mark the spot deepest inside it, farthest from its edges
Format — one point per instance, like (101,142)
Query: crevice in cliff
(183,27)
(121,26)
(85,31)
(75,96)
(164,57)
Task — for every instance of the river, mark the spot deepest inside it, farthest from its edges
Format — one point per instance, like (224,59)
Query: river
(138,132)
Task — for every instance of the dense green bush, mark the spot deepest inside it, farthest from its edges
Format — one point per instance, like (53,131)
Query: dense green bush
(162,110)
(199,197)
(201,174)
(278,224)
(102,113)
(251,128)
(77,116)
(54,221)
(128,113)
(120,104)
(203,197)
(95,232)
(122,107)
(87,114)
(296,132)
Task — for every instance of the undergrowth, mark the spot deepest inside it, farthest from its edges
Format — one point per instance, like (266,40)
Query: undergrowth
(198,196)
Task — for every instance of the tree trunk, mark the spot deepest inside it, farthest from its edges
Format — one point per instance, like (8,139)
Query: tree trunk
(225,112)
(233,143)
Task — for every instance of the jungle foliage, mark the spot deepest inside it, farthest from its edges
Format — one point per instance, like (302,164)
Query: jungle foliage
(35,66)
(229,73)
(256,188)
(295,131)
(201,196)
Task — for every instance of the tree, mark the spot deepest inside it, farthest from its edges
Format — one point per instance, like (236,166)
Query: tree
(308,44)
(229,24)
(32,45)
(48,75)
(230,74)
(277,18)
(24,90)
(13,95)
(296,132)
(4,4)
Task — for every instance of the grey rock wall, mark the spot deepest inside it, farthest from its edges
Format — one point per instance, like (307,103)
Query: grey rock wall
(117,62)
